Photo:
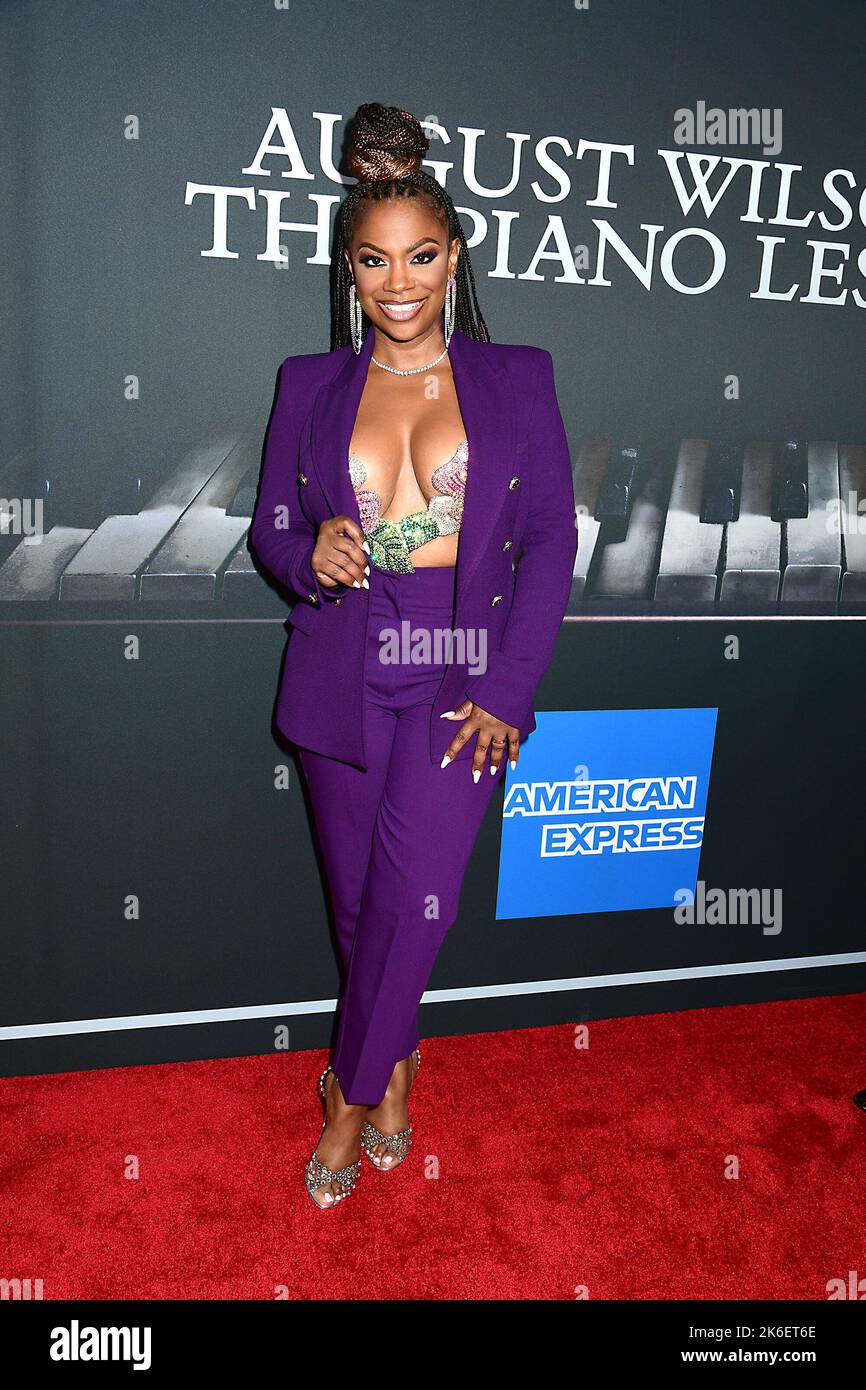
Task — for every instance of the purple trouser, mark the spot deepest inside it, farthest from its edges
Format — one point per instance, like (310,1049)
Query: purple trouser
(395,839)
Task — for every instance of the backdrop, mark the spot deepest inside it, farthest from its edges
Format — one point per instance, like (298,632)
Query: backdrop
(669,198)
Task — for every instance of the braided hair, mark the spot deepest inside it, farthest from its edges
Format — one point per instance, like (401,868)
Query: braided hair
(385,152)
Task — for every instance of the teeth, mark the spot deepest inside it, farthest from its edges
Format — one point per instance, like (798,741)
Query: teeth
(402,307)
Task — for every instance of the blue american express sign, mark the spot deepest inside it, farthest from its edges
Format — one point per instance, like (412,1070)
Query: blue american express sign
(605,811)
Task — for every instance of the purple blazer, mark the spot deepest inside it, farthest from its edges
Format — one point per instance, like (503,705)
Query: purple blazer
(518,506)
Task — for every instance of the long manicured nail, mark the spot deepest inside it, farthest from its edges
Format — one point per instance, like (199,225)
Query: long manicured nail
(513,765)
(366,584)
(493,770)
(366,547)
(476,774)
(449,714)
(445,761)
(366,569)
(356,584)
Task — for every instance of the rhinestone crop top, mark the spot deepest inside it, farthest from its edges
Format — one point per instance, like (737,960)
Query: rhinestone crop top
(392,541)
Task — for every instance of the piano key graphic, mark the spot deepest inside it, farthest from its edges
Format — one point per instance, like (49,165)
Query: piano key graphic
(723,480)
(189,564)
(751,567)
(617,486)
(108,565)
(626,563)
(588,477)
(791,481)
(660,527)
(852,484)
(242,582)
(691,548)
(813,568)
(33,571)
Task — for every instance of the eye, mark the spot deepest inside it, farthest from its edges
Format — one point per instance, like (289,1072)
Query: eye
(370,258)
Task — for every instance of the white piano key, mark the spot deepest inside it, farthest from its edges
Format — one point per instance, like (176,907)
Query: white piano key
(108,564)
(32,572)
(242,583)
(189,563)
(852,484)
(691,548)
(752,563)
(814,545)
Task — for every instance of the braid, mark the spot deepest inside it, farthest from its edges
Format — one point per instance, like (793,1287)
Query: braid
(385,154)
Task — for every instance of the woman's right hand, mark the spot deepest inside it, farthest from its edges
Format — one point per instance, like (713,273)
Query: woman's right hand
(340,553)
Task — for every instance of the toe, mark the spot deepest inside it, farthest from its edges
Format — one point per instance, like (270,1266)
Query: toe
(327,1193)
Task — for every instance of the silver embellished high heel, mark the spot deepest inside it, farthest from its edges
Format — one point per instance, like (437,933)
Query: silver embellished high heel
(398,1144)
(317,1175)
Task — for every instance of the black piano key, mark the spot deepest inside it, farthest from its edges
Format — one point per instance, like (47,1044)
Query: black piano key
(791,481)
(617,488)
(723,473)
(244,501)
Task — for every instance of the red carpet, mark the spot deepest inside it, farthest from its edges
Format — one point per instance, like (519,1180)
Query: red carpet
(558,1169)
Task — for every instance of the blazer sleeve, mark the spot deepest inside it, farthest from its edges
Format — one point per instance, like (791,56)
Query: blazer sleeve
(544,573)
(280,537)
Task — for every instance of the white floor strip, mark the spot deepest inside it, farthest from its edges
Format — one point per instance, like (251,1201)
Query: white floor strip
(433,996)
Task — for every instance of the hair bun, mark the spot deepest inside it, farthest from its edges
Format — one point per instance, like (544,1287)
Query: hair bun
(385,143)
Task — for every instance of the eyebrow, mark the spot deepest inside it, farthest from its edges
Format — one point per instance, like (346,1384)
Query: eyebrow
(414,247)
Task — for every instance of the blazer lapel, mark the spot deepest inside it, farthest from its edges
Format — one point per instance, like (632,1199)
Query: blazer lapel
(486,405)
(334,414)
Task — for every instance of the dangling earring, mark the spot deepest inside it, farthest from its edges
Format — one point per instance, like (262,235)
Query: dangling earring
(450,296)
(356,319)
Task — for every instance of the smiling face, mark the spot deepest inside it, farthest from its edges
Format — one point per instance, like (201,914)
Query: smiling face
(400,258)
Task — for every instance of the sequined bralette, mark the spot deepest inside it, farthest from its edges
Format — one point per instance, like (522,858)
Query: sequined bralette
(391,541)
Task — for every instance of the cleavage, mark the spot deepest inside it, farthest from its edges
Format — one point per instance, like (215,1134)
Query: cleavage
(407,492)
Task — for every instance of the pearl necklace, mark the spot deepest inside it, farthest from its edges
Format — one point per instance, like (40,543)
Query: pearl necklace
(410,371)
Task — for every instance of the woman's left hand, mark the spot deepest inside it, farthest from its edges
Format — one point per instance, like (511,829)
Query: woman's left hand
(493,736)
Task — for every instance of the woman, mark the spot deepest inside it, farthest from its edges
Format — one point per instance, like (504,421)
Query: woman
(404,472)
